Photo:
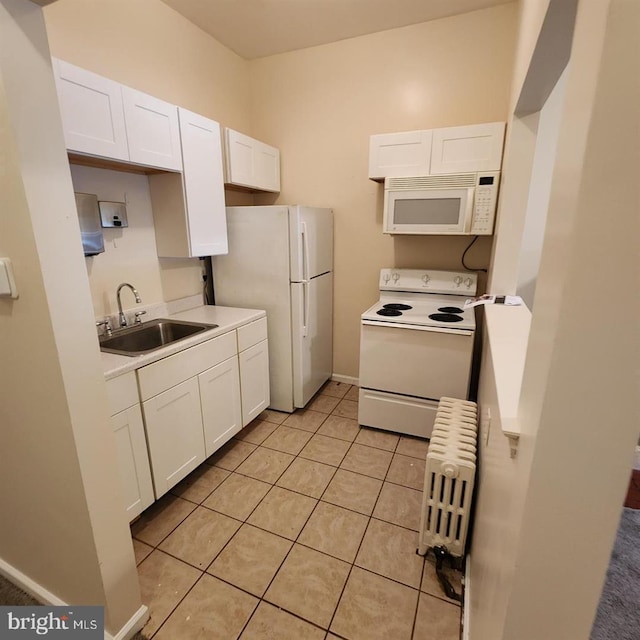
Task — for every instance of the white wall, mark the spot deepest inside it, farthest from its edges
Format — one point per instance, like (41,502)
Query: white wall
(130,253)
(543,49)
(557,504)
(540,191)
(578,407)
(63,526)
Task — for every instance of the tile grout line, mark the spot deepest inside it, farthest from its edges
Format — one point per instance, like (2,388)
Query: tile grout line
(297,492)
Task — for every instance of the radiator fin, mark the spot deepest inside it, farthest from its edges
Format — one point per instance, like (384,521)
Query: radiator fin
(449,477)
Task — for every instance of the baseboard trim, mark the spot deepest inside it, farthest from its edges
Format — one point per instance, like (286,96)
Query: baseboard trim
(37,591)
(336,377)
(132,626)
(466,604)
(30,586)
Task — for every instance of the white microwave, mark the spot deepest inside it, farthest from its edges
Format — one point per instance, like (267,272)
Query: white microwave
(457,204)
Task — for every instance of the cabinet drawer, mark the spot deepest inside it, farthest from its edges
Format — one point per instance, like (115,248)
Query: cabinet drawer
(252,333)
(122,392)
(164,374)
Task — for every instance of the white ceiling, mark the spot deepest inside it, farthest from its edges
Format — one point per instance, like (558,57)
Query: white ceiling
(258,28)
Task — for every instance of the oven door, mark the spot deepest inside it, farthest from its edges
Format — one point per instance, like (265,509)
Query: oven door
(427,211)
(416,361)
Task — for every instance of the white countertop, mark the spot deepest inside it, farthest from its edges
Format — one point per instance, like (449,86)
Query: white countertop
(227,319)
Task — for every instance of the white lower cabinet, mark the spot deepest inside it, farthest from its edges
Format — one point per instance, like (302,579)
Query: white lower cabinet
(133,460)
(131,445)
(197,399)
(254,380)
(221,404)
(173,421)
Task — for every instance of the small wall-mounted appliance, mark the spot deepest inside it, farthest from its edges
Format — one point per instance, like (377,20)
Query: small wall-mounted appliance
(457,204)
(113,214)
(90,228)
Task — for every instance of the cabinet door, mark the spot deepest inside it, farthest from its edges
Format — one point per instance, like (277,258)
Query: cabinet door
(394,155)
(266,167)
(133,460)
(203,184)
(220,399)
(239,158)
(475,147)
(251,163)
(153,132)
(174,433)
(254,381)
(92,112)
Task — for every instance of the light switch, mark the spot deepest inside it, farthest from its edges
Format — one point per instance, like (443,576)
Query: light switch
(7,282)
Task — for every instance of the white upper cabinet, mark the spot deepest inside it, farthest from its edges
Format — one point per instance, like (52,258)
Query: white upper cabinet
(393,155)
(476,147)
(464,149)
(203,184)
(250,163)
(92,112)
(108,120)
(189,209)
(153,132)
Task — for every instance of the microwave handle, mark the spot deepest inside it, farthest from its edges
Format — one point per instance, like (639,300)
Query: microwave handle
(469,210)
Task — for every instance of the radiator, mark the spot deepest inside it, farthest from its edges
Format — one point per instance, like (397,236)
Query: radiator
(449,477)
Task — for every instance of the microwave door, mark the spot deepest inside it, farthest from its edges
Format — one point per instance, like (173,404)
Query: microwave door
(437,211)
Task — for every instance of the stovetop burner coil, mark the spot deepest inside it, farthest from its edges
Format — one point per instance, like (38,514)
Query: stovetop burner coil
(450,309)
(397,306)
(390,312)
(446,317)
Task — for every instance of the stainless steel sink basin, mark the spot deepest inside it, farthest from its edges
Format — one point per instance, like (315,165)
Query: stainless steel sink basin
(150,336)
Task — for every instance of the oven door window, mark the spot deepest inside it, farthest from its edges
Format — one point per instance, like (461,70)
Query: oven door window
(438,212)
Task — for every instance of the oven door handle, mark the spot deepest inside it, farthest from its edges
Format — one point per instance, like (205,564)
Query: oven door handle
(398,325)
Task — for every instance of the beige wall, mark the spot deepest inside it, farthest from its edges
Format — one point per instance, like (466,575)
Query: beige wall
(130,253)
(320,105)
(63,527)
(557,505)
(148,46)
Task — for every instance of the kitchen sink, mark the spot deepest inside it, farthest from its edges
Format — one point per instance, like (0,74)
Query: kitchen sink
(150,336)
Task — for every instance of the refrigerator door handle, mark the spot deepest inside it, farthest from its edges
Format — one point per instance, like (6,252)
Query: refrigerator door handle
(305,252)
(305,312)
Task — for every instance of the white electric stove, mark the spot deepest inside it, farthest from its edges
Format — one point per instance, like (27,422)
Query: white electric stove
(416,345)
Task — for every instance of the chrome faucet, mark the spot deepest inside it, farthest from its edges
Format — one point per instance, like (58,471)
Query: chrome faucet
(122,318)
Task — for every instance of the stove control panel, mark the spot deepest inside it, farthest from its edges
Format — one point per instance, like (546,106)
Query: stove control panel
(463,283)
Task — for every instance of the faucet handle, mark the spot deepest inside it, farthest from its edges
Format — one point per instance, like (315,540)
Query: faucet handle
(138,314)
(107,326)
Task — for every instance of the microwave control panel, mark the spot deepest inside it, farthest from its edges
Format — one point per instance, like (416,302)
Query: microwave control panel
(484,206)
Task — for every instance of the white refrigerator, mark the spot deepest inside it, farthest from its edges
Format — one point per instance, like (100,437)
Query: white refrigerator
(281,259)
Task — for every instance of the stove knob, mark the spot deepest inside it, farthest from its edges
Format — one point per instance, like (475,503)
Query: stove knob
(425,278)
(386,276)
(458,280)
(396,276)
(468,282)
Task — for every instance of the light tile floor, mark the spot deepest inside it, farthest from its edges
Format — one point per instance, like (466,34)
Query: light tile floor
(304,526)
